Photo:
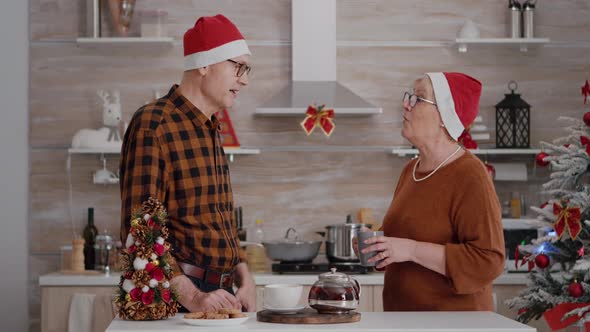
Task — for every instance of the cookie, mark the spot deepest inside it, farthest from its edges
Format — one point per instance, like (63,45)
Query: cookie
(228,311)
(214,315)
(195,315)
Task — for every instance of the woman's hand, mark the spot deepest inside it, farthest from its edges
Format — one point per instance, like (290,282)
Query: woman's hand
(391,250)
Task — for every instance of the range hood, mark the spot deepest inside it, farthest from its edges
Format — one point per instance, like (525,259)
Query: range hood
(313,52)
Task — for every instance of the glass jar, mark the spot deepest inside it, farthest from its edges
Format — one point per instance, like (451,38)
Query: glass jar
(154,23)
(334,293)
(105,252)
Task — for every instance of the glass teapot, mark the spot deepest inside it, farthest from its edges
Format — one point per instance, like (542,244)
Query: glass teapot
(334,293)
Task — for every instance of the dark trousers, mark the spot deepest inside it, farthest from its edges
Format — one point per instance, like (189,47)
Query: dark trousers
(204,287)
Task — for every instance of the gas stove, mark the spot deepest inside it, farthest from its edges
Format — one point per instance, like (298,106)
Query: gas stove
(319,267)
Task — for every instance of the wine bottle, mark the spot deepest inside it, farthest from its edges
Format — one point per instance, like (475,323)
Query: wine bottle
(89,235)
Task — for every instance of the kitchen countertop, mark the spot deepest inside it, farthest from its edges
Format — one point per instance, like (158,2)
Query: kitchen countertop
(376,279)
(474,321)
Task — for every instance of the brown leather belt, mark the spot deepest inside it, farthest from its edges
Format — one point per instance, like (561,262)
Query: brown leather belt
(221,280)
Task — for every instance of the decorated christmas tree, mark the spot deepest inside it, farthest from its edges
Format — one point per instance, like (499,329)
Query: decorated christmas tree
(559,263)
(144,291)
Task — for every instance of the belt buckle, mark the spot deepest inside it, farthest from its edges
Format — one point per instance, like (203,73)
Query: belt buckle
(222,279)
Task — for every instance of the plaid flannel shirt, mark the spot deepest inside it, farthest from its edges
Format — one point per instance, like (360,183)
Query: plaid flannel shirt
(173,152)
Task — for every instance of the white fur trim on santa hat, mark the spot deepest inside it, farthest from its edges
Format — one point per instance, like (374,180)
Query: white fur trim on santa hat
(446,105)
(215,55)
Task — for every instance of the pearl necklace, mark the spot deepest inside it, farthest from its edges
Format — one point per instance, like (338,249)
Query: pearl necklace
(436,169)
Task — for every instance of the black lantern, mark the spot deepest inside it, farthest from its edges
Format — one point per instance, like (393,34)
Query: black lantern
(513,125)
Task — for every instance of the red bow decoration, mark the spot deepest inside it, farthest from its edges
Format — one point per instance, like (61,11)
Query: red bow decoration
(586,91)
(525,258)
(567,218)
(321,117)
(585,142)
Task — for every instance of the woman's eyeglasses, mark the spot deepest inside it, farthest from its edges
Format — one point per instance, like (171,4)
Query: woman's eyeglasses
(242,68)
(412,99)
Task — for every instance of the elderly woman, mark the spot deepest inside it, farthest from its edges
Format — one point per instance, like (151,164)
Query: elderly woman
(443,244)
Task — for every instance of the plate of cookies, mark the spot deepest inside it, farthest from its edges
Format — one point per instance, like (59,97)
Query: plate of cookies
(221,317)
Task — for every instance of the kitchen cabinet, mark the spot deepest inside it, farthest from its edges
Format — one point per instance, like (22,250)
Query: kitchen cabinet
(55,306)
(57,291)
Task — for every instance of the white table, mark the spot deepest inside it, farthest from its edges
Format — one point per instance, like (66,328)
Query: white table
(370,322)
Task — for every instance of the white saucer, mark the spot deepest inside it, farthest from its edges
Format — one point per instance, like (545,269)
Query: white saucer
(215,322)
(286,311)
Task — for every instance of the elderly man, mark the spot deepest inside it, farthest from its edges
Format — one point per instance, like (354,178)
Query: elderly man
(172,152)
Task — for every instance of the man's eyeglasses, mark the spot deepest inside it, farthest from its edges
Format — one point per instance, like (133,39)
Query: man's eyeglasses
(242,68)
(412,99)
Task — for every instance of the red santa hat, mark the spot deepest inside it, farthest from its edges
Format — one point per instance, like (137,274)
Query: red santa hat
(457,99)
(213,39)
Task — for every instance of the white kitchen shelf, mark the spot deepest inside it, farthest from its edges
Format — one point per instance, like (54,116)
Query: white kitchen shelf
(520,223)
(523,43)
(124,41)
(402,152)
(117,150)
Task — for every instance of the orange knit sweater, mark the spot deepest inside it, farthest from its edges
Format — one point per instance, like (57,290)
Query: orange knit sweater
(457,207)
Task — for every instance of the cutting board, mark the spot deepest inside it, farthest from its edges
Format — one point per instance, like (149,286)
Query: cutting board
(307,316)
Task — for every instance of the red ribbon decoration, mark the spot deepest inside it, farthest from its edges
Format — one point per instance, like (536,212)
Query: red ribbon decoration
(554,315)
(567,218)
(585,142)
(586,91)
(321,117)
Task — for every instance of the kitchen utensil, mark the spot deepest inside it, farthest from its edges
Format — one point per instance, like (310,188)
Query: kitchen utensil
(104,176)
(307,316)
(105,251)
(215,322)
(339,242)
(514,19)
(334,293)
(286,311)
(292,249)
(282,296)
(528,15)
(362,236)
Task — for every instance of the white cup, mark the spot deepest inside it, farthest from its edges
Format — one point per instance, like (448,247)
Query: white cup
(282,296)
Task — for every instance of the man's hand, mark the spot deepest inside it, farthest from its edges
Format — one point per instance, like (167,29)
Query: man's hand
(246,293)
(194,299)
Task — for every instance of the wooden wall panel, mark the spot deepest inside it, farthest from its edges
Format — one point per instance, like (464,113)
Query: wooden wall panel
(305,190)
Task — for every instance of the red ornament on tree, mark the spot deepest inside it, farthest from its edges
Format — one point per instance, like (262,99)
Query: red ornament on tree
(575,289)
(587,118)
(542,260)
(539,159)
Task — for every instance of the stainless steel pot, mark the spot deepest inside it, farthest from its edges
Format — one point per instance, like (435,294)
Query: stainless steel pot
(339,242)
(292,249)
